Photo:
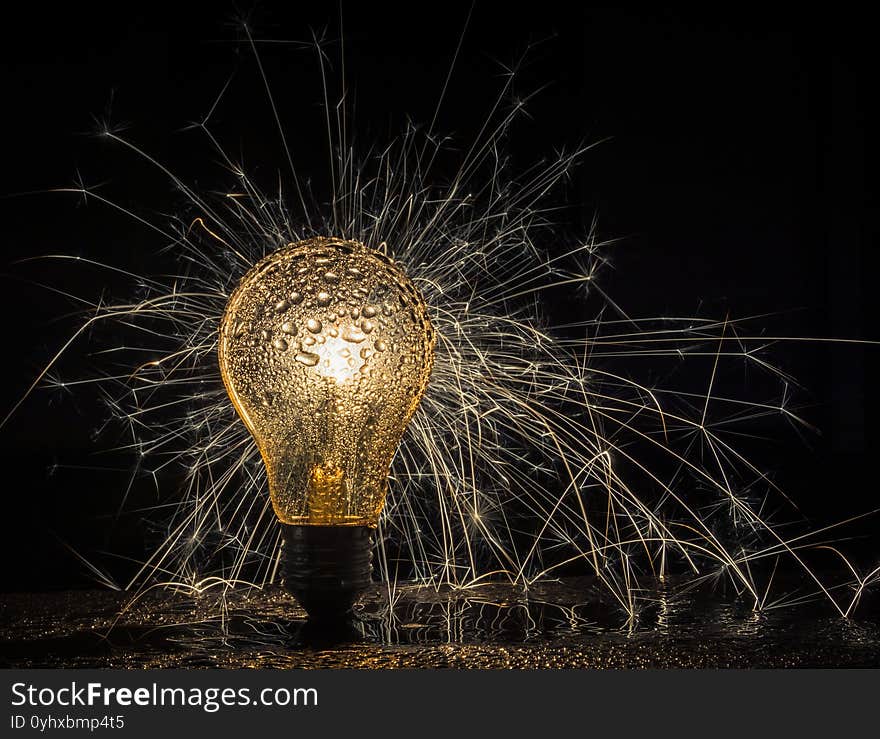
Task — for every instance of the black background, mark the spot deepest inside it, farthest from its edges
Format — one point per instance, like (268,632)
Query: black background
(739,177)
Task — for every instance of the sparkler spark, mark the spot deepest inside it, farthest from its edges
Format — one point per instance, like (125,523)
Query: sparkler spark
(533,452)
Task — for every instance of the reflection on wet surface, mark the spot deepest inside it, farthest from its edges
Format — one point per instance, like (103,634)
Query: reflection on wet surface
(564,624)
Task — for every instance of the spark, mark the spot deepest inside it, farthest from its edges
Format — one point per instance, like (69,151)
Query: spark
(532,451)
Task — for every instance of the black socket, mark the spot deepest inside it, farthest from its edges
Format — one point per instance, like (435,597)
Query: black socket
(326,568)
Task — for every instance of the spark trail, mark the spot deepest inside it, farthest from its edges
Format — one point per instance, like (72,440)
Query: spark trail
(533,453)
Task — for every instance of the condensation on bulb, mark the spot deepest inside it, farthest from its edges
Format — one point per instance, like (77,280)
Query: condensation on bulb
(326,349)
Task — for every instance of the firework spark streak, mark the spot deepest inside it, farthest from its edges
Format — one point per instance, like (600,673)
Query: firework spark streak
(532,454)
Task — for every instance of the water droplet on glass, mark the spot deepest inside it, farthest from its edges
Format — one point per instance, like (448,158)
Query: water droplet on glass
(307,358)
(380,346)
(323,298)
(353,334)
(280,344)
(308,341)
(369,311)
(282,305)
(296,297)
(314,325)
(367,326)
(331,277)
(288,328)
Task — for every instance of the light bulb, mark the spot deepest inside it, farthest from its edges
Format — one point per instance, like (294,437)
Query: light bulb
(325,349)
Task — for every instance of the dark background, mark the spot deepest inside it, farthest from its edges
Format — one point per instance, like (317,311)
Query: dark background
(739,177)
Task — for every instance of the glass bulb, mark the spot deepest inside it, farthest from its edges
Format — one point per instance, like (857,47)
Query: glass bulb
(325,350)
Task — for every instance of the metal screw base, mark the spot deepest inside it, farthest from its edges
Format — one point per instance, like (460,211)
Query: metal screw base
(326,568)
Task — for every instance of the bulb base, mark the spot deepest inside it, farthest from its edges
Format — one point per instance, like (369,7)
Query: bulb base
(326,568)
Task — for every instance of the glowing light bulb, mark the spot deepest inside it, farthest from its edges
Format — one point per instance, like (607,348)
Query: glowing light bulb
(325,349)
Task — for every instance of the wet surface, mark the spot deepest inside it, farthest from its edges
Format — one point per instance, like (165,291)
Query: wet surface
(564,624)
